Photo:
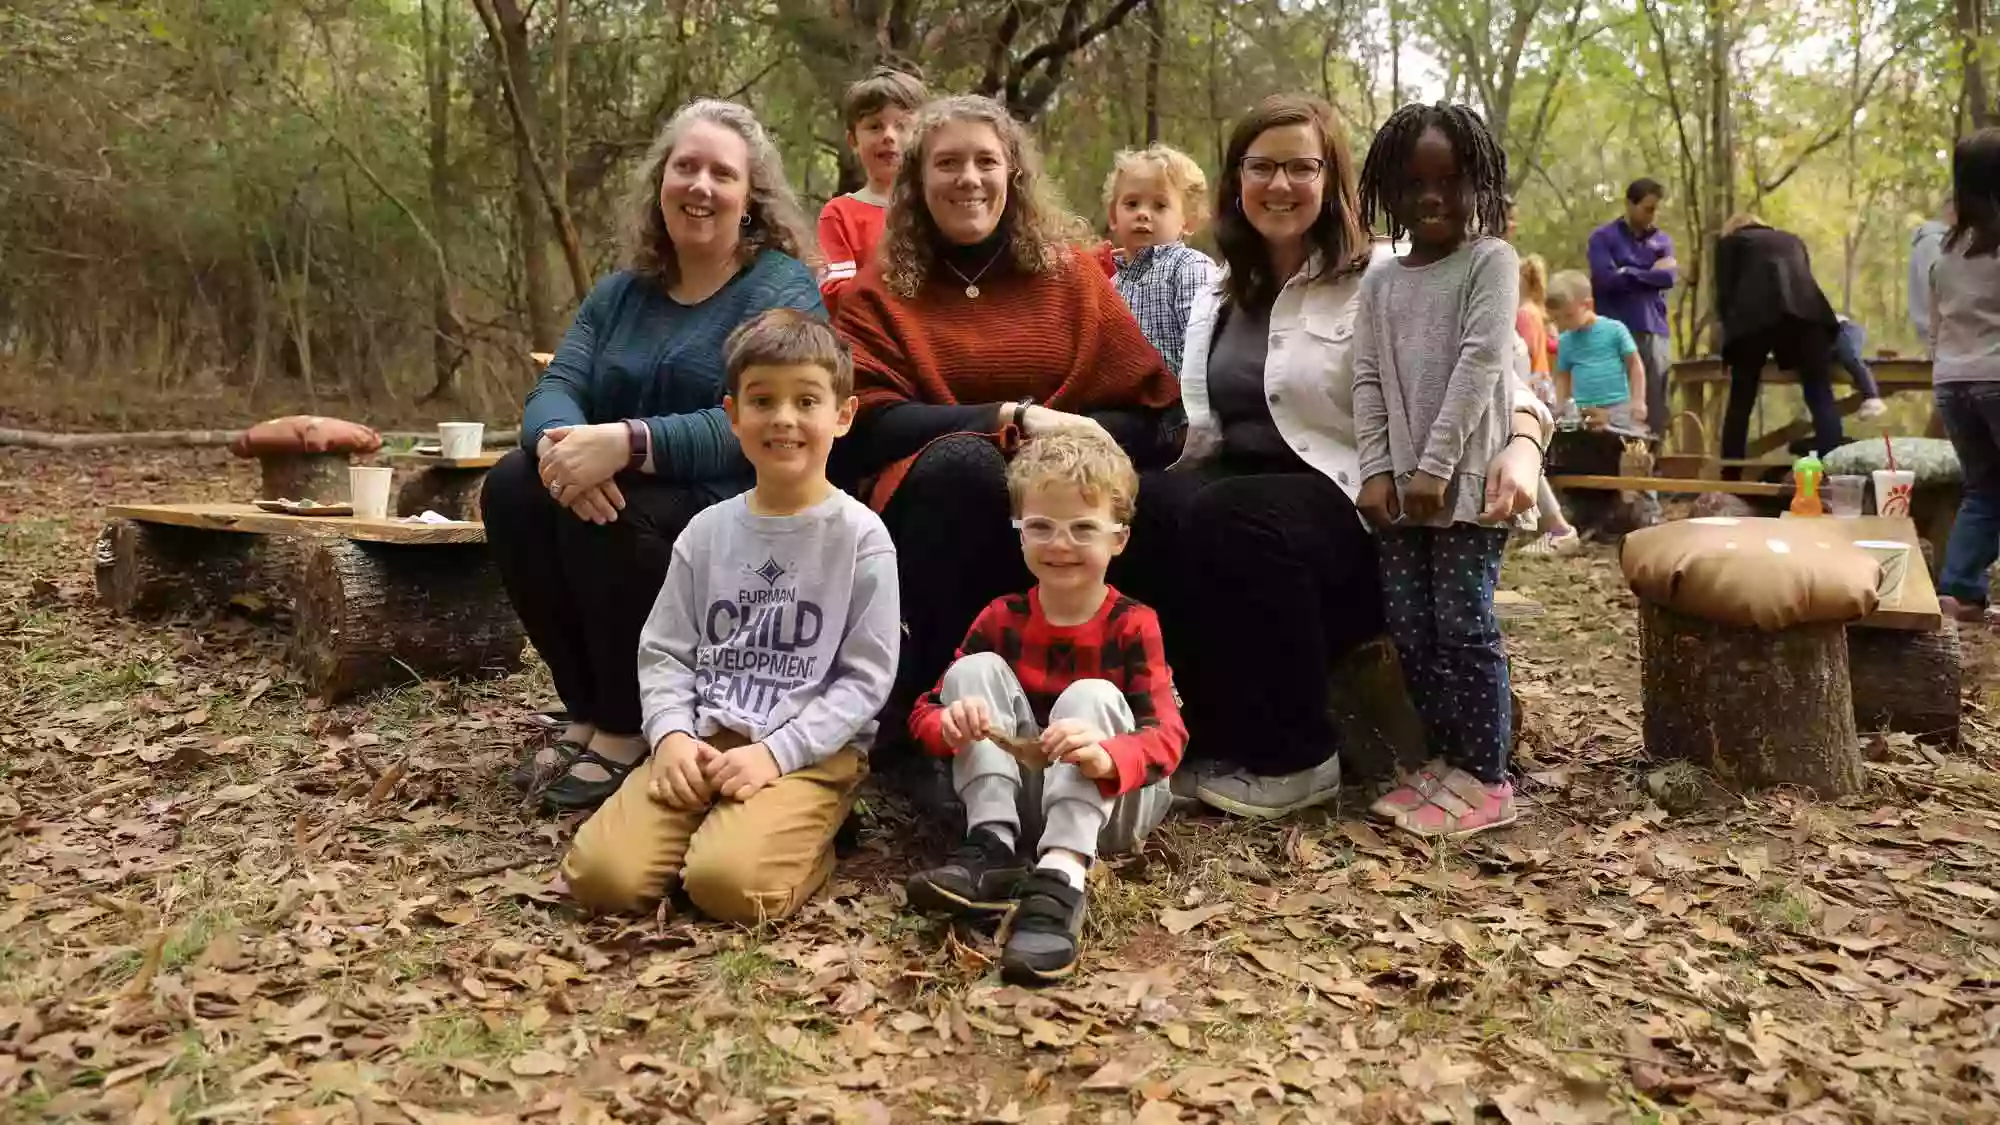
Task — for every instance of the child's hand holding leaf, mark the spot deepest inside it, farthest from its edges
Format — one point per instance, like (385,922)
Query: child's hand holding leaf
(1081,745)
(967,721)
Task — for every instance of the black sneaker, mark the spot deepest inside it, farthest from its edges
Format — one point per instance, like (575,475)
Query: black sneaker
(978,880)
(1042,933)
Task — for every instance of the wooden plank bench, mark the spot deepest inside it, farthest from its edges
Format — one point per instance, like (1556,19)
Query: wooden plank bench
(449,486)
(374,602)
(1669,484)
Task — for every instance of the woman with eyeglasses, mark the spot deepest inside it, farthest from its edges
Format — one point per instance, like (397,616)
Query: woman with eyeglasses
(982,323)
(1251,547)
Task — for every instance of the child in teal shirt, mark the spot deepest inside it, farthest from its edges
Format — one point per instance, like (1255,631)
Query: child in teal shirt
(1597,361)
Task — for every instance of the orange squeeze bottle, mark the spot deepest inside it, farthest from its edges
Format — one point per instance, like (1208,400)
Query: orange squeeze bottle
(1807,473)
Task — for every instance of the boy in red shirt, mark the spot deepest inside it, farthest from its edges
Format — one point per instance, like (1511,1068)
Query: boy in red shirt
(1058,713)
(878,112)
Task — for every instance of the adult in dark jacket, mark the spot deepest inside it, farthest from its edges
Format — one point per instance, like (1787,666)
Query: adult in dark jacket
(624,440)
(1770,306)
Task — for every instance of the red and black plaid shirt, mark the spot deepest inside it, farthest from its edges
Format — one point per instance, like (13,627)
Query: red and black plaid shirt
(1121,644)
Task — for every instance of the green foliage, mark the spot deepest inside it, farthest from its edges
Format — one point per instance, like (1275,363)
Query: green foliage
(242,192)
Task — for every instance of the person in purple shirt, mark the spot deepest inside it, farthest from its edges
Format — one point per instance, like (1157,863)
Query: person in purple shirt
(1631,268)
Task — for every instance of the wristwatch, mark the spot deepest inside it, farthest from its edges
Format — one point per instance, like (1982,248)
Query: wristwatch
(637,445)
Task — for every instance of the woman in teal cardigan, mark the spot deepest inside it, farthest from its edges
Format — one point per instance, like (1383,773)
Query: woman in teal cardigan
(624,439)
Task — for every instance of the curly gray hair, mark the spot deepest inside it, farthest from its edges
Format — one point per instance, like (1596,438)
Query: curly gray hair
(776,221)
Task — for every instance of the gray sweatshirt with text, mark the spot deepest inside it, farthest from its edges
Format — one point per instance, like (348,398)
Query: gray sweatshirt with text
(783,629)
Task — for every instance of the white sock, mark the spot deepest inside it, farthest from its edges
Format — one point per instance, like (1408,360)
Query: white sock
(1065,864)
(999,828)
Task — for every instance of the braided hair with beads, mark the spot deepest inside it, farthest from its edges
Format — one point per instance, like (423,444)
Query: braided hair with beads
(1482,165)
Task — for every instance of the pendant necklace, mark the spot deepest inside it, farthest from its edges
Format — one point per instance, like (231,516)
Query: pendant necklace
(972,283)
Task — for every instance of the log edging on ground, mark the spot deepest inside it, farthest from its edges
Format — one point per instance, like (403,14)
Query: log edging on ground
(184,439)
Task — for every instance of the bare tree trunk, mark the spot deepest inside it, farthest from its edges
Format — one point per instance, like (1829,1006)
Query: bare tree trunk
(1156,46)
(1972,46)
(509,30)
(447,343)
(1395,55)
(559,81)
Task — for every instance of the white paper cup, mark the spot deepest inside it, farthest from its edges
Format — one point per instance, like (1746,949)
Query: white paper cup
(1894,558)
(1892,491)
(460,439)
(1845,496)
(368,490)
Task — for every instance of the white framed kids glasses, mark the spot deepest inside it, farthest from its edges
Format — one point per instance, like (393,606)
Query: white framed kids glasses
(1042,531)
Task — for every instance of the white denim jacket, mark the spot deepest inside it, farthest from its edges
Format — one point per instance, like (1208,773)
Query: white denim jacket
(1308,373)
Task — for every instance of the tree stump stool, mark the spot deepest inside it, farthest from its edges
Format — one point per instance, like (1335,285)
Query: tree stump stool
(1743,647)
(1368,702)
(1754,708)
(304,456)
(450,487)
(369,615)
(304,476)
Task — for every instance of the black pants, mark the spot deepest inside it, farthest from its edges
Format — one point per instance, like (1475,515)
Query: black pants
(1263,577)
(582,591)
(1798,346)
(956,550)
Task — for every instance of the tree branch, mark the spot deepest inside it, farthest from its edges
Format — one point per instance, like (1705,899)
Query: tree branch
(1831,135)
(1557,71)
(572,246)
(1053,56)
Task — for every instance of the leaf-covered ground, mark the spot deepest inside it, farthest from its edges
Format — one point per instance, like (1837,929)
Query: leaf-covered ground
(224,902)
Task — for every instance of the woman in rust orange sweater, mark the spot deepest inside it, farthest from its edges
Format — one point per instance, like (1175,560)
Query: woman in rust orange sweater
(982,323)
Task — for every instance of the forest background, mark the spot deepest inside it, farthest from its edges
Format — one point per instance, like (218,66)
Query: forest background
(213,209)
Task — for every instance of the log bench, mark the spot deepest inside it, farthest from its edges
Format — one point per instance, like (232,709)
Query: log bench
(375,602)
(449,486)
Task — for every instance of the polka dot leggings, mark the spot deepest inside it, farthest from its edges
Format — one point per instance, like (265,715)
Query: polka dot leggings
(1437,585)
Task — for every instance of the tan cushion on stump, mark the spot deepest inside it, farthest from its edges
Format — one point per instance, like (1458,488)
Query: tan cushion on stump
(1755,573)
(305,433)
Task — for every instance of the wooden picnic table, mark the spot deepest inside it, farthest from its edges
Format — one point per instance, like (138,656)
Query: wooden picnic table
(1701,387)
(374,601)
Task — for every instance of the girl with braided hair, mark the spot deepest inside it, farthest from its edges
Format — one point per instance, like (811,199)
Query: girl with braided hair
(1433,351)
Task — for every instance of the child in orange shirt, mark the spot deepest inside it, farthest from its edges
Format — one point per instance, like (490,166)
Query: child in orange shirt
(878,111)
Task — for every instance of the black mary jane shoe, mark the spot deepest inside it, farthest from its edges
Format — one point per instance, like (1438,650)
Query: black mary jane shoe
(570,793)
(529,774)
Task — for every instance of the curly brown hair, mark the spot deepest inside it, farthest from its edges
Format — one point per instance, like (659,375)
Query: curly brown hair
(1038,227)
(775,220)
(1337,235)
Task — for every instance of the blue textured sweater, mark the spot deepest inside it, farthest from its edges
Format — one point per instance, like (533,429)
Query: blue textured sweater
(634,352)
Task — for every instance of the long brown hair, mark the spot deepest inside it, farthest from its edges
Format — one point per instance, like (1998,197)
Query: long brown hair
(1337,235)
(1038,228)
(775,220)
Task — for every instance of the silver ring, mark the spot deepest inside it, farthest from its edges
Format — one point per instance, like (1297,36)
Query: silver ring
(556,490)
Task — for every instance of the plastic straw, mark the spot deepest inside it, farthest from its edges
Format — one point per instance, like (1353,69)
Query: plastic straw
(1890,450)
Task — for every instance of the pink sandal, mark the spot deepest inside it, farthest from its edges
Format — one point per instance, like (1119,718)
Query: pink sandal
(1413,791)
(1462,806)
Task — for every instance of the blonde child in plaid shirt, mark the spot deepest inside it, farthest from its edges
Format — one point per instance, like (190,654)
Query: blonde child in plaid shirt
(1156,196)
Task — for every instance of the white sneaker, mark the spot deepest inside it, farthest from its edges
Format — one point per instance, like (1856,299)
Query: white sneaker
(1871,408)
(1242,793)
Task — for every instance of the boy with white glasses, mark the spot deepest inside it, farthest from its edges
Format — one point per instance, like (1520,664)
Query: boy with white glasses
(1058,713)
